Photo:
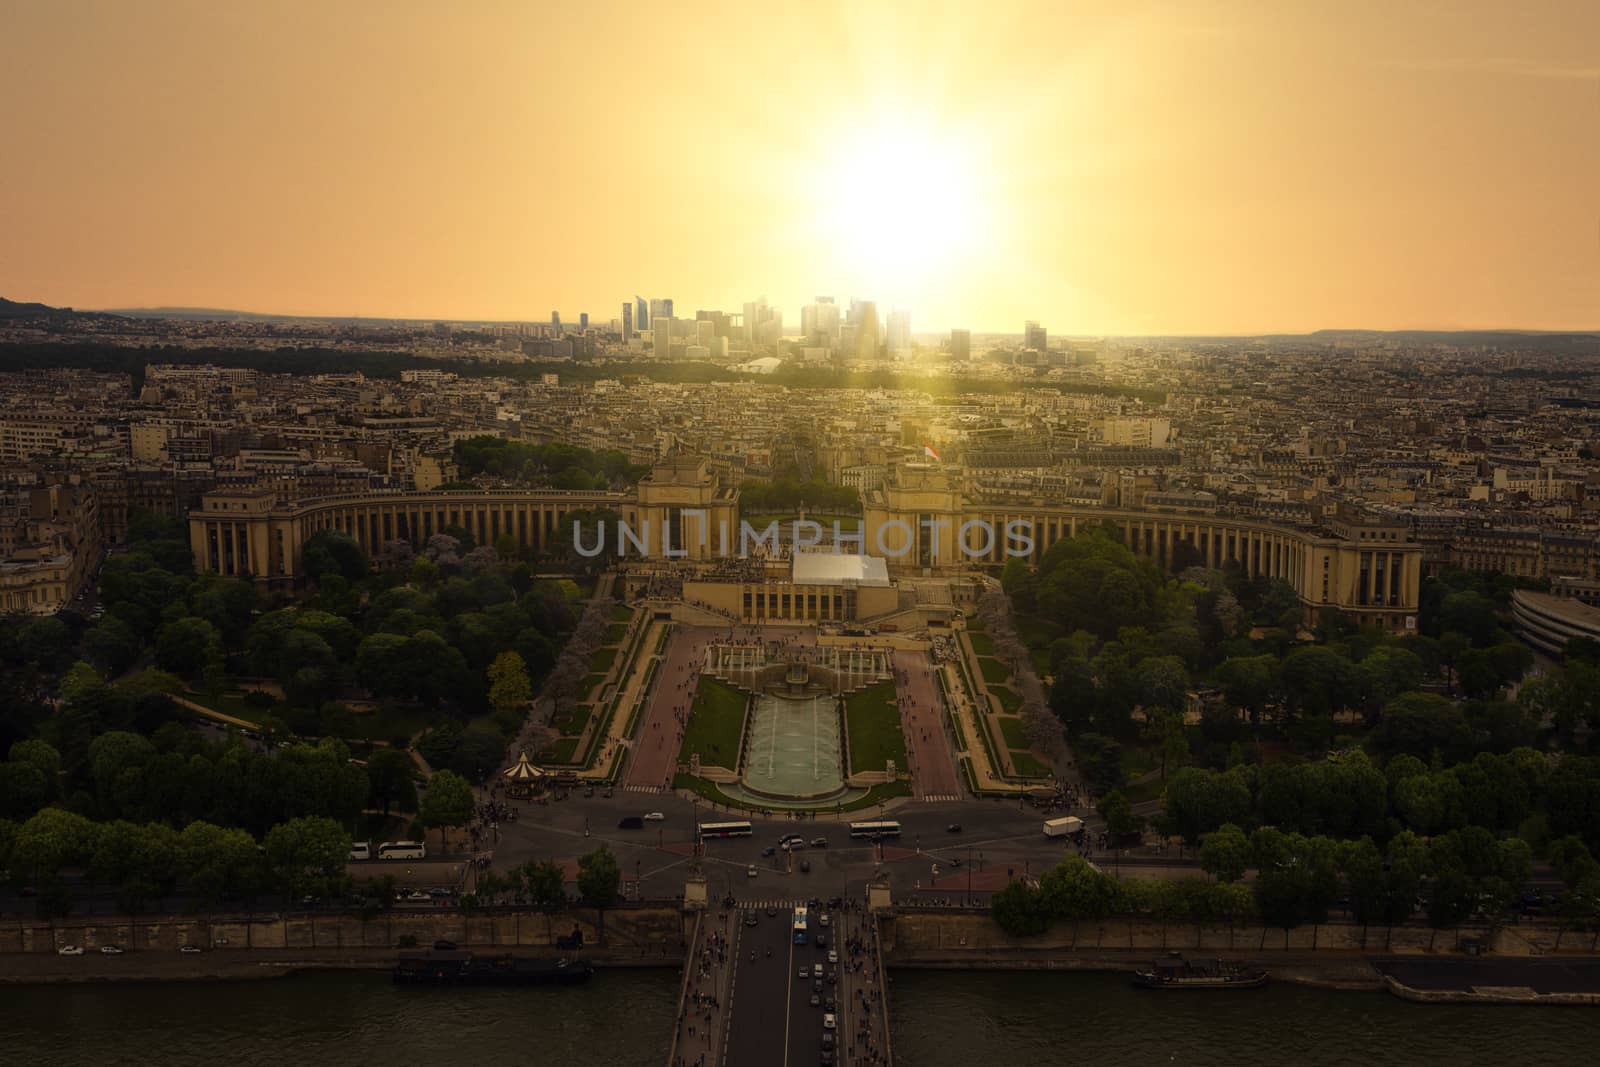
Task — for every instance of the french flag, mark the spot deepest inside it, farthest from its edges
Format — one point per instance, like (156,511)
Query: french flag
(929,453)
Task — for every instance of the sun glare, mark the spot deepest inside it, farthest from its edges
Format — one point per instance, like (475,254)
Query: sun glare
(904,206)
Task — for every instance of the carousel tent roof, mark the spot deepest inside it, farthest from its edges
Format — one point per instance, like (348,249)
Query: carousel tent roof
(522,770)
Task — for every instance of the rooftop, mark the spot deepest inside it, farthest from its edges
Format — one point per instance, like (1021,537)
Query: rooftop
(832,568)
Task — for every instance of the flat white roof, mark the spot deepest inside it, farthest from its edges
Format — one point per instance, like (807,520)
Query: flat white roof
(835,568)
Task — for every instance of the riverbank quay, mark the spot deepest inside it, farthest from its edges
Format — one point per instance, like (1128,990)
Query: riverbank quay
(259,964)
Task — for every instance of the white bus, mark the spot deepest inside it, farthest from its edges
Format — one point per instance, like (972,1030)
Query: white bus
(361,850)
(874,829)
(402,850)
(800,924)
(709,830)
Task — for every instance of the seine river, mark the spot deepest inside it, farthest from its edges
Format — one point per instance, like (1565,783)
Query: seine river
(623,1019)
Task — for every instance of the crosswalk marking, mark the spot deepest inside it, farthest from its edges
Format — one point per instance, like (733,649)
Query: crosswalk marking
(934,798)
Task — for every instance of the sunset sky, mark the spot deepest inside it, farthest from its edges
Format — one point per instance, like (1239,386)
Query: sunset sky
(1101,167)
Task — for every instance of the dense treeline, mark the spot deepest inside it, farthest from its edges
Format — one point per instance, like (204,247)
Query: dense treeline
(1137,643)
(110,358)
(788,493)
(560,466)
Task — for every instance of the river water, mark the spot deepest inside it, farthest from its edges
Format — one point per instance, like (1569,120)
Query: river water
(623,1019)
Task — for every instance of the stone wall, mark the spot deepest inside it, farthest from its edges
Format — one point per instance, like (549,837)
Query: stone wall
(644,928)
(908,934)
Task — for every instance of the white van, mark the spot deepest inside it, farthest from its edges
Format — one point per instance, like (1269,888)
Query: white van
(361,850)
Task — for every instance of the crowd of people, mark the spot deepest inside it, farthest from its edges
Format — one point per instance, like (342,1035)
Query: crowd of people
(702,1007)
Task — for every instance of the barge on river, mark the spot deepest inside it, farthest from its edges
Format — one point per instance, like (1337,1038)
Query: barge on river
(463,968)
(1175,972)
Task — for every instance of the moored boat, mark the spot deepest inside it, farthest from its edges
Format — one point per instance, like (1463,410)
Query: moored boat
(1175,972)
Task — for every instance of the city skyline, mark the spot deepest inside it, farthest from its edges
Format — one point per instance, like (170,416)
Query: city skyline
(1212,169)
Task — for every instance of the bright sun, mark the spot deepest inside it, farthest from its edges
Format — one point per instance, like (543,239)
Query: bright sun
(903,206)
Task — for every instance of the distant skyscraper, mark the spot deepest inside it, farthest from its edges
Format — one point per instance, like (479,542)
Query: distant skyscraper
(666,307)
(583,320)
(755,313)
(960,344)
(864,316)
(627,321)
(899,337)
(661,329)
(1034,337)
(641,321)
(555,322)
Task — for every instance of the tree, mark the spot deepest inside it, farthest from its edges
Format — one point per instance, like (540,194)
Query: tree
(1017,908)
(509,687)
(389,777)
(307,855)
(185,646)
(599,878)
(216,862)
(1249,682)
(1118,814)
(447,801)
(112,645)
(1225,853)
(334,552)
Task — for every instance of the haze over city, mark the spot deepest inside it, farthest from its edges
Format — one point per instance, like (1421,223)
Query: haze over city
(1139,168)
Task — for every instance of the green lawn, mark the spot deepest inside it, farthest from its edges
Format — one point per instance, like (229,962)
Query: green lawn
(621,613)
(571,719)
(591,683)
(982,644)
(1036,631)
(602,659)
(615,633)
(1027,766)
(562,751)
(234,704)
(1011,730)
(716,723)
(873,722)
(993,670)
(1010,703)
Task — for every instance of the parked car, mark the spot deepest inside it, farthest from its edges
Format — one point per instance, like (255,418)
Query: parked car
(768,852)
(70,950)
(189,950)
(953,828)
(110,950)
(653,816)
(444,946)
(819,842)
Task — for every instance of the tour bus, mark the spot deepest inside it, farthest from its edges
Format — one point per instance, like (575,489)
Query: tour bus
(709,830)
(361,850)
(800,924)
(875,829)
(402,850)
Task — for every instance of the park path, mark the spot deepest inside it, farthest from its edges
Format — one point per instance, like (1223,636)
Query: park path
(660,733)
(933,771)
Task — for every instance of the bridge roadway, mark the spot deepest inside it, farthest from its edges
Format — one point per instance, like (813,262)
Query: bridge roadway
(773,1022)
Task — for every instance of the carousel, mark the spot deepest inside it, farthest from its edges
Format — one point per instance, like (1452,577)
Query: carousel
(522,778)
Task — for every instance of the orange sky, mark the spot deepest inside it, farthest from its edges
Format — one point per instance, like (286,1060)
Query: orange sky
(1113,167)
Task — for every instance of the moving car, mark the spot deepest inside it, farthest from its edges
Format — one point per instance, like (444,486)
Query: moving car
(805,972)
(772,913)
(816,970)
(70,950)
(953,828)
(768,852)
(819,842)
(822,919)
(833,955)
(829,1022)
(110,950)
(750,919)
(816,1000)
(653,816)
(751,871)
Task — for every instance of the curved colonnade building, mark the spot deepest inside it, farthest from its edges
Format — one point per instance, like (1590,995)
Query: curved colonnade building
(917,521)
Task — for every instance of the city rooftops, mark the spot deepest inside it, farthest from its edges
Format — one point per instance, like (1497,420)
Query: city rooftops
(831,568)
